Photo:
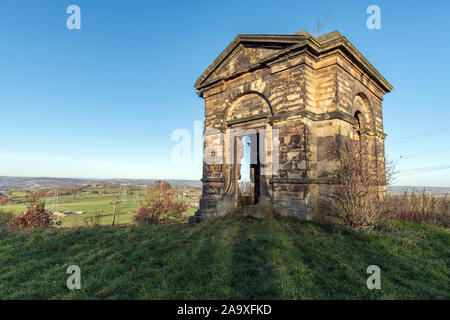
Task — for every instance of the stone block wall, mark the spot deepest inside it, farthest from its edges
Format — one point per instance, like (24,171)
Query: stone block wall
(304,93)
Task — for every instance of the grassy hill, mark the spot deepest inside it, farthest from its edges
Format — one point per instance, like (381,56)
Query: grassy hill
(274,258)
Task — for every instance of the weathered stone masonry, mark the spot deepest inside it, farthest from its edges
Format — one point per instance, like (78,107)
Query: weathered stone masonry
(307,93)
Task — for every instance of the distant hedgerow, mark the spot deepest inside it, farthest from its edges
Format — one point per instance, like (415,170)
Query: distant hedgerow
(422,208)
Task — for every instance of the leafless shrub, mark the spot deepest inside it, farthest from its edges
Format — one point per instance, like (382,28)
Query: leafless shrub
(94,220)
(356,195)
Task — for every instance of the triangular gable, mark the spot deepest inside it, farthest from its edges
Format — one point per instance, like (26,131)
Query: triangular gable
(244,51)
(239,60)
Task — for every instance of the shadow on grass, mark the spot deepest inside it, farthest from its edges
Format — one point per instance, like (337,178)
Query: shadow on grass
(229,258)
(237,258)
(252,269)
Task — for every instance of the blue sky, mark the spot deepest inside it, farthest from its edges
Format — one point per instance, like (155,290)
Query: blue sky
(103,101)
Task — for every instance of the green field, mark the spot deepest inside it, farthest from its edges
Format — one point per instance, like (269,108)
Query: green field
(92,202)
(273,258)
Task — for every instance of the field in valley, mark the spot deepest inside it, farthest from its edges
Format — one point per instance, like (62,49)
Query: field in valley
(96,202)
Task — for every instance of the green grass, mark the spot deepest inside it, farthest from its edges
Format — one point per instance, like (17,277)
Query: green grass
(227,258)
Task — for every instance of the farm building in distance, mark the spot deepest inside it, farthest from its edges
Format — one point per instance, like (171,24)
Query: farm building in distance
(291,97)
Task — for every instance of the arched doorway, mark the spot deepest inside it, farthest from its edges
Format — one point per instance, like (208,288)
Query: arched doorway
(247,137)
(248,169)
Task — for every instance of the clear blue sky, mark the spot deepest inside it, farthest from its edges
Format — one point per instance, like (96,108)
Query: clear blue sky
(102,102)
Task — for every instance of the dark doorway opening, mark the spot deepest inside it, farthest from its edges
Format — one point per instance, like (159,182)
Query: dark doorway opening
(249,182)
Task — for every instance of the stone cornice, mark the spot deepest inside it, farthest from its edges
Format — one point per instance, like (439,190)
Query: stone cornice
(316,46)
(323,180)
(359,59)
(332,115)
(248,119)
(212,180)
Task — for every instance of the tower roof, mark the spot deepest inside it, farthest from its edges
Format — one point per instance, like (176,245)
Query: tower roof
(281,45)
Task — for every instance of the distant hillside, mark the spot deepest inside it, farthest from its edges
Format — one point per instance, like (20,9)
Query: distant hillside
(410,189)
(30,183)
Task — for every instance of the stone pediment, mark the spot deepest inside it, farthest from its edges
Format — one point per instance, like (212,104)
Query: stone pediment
(241,60)
(244,52)
(248,52)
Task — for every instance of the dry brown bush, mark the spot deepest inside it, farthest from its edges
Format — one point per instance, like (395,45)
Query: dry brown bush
(159,206)
(35,216)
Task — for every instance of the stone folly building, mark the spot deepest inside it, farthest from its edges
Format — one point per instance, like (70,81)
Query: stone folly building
(293,97)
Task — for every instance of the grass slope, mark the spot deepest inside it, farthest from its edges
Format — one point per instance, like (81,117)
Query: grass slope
(275,258)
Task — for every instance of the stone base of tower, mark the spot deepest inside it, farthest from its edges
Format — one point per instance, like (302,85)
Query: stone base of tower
(214,208)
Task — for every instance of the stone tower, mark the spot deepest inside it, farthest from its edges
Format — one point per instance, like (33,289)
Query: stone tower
(292,97)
